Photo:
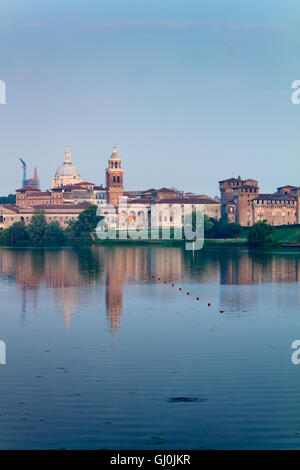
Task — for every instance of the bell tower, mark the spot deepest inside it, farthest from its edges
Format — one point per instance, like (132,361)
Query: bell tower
(114,178)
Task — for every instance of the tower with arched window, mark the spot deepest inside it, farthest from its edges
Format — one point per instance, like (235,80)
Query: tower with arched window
(114,178)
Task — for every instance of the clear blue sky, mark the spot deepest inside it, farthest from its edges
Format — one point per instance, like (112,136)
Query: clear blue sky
(190,91)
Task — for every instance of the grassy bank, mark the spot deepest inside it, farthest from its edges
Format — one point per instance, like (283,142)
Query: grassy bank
(225,241)
(139,241)
(287,234)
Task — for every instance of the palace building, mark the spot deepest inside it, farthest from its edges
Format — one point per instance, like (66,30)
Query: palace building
(11,213)
(241,202)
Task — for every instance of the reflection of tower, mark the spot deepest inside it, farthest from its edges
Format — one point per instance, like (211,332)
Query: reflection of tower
(67,299)
(114,179)
(115,271)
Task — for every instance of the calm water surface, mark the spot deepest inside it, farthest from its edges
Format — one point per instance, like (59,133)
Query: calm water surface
(101,356)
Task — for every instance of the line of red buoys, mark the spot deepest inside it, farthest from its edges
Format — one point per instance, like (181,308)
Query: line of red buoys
(173,285)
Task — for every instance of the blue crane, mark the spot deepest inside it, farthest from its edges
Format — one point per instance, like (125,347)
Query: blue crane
(24,166)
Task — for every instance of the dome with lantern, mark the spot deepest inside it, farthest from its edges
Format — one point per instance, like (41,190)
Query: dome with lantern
(67,173)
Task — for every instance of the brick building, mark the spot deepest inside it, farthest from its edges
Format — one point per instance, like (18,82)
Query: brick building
(241,202)
(276,209)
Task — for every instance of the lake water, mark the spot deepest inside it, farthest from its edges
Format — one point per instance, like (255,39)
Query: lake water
(102,356)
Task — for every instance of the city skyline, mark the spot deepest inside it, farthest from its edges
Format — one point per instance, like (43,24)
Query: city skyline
(189,95)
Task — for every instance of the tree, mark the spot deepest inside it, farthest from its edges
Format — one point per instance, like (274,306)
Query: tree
(54,234)
(37,227)
(223,229)
(86,222)
(220,229)
(10,199)
(16,234)
(208,224)
(261,234)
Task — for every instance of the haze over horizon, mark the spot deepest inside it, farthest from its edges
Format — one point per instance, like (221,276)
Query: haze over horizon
(189,93)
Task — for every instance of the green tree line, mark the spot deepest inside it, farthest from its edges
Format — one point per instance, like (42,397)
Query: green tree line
(10,199)
(214,228)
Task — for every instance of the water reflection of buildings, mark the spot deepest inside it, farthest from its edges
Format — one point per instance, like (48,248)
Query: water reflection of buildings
(240,267)
(68,271)
(65,271)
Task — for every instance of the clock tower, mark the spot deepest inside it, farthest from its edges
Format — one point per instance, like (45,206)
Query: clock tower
(114,179)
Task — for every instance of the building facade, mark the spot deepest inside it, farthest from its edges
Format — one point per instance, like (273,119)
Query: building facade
(241,202)
(10,213)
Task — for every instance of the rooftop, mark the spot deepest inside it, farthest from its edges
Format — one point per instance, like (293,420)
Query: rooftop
(27,188)
(274,197)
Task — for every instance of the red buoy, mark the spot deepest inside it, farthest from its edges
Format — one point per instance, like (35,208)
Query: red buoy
(172,285)
(153,277)
(221,311)
(187,293)
(165,282)
(209,304)
(159,278)
(197,298)
(179,288)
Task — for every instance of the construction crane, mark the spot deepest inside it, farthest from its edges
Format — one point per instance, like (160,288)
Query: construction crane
(24,166)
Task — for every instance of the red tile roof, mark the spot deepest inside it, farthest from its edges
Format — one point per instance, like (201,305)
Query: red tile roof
(275,197)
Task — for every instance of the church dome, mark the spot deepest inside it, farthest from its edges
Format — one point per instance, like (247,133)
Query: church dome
(67,169)
(67,173)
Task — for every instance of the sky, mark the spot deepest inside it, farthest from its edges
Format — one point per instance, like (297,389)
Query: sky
(190,91)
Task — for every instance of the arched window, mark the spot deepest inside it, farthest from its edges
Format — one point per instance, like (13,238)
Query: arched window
(118,179)
(116,165)
(114,179)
